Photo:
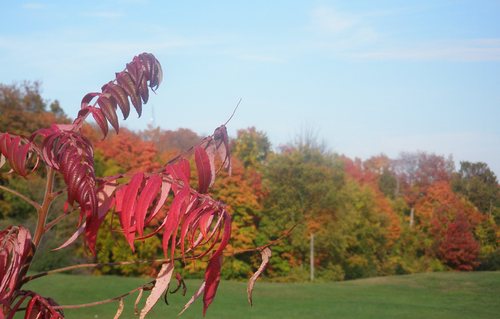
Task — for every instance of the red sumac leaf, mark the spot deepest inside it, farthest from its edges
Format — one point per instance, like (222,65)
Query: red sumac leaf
(212,273)
(172,221)
(108,107)
(127,83)
(16,249)
(100,119)
(148,194)
(128,208)
(120,96)
(205,175)
(87,98)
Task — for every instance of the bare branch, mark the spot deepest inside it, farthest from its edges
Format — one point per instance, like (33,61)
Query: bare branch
(21,196)
(105,301)
(234,111)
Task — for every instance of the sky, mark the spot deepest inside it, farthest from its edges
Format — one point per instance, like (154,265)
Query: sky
(366,77)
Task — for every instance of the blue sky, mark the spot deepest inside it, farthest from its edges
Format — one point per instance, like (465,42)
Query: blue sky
(367,76)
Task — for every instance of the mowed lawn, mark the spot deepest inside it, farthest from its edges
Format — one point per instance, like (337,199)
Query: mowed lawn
(431,295)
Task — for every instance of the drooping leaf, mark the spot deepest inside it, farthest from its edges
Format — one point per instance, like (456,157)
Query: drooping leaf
(129,205)
(100,119)
(148,194)
(120,309)
(266,254)
(172,221)
(16,249)
(206,176)
(120,97)
(16,151)
(161,284)
(127,83)
(196,295)
(108,107)
(212,273)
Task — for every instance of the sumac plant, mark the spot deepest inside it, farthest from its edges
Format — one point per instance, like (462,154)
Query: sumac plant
(191,224)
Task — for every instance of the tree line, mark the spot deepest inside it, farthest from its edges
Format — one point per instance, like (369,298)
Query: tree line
(380,216)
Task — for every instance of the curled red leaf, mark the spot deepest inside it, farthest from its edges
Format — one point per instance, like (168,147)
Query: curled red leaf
(16,151)
(16,249)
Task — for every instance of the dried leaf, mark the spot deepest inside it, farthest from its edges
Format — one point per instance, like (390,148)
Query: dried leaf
(161,284)
(266,254)
(193,298)
(120,309)
(137,300)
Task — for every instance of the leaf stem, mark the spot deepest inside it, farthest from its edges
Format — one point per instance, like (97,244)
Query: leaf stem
(21,196)
(44,209)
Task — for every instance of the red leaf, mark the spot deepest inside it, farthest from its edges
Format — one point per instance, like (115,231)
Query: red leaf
(16,249)
(100,120)
(128,208)
(180,170)
(87,98)
(172,221)
(108,107)
(120,97)
(212,273)
(127,83)
(148,194)
(206,176)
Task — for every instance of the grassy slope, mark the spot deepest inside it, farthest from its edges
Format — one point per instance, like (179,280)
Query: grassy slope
(434,295)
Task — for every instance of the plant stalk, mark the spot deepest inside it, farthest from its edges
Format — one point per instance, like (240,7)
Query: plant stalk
(43,211)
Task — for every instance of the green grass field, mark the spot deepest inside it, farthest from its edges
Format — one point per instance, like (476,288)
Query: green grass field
(432,295)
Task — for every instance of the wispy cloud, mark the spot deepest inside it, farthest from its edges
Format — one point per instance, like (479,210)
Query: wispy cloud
(465,50)
(261,58)
(33,6)
(355,36)
(103,14)
(338,30)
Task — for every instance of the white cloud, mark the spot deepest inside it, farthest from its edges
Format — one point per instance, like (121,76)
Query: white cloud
(341,31)
(33,5)
(103,14)
(327,19)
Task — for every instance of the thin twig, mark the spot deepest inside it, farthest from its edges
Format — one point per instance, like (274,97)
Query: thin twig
(285,234)
(56,220)
(234,111)
(105,301)
(23,197)
(90,265)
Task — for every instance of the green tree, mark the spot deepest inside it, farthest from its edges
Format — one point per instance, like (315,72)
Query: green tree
(252,147)
(479,185)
